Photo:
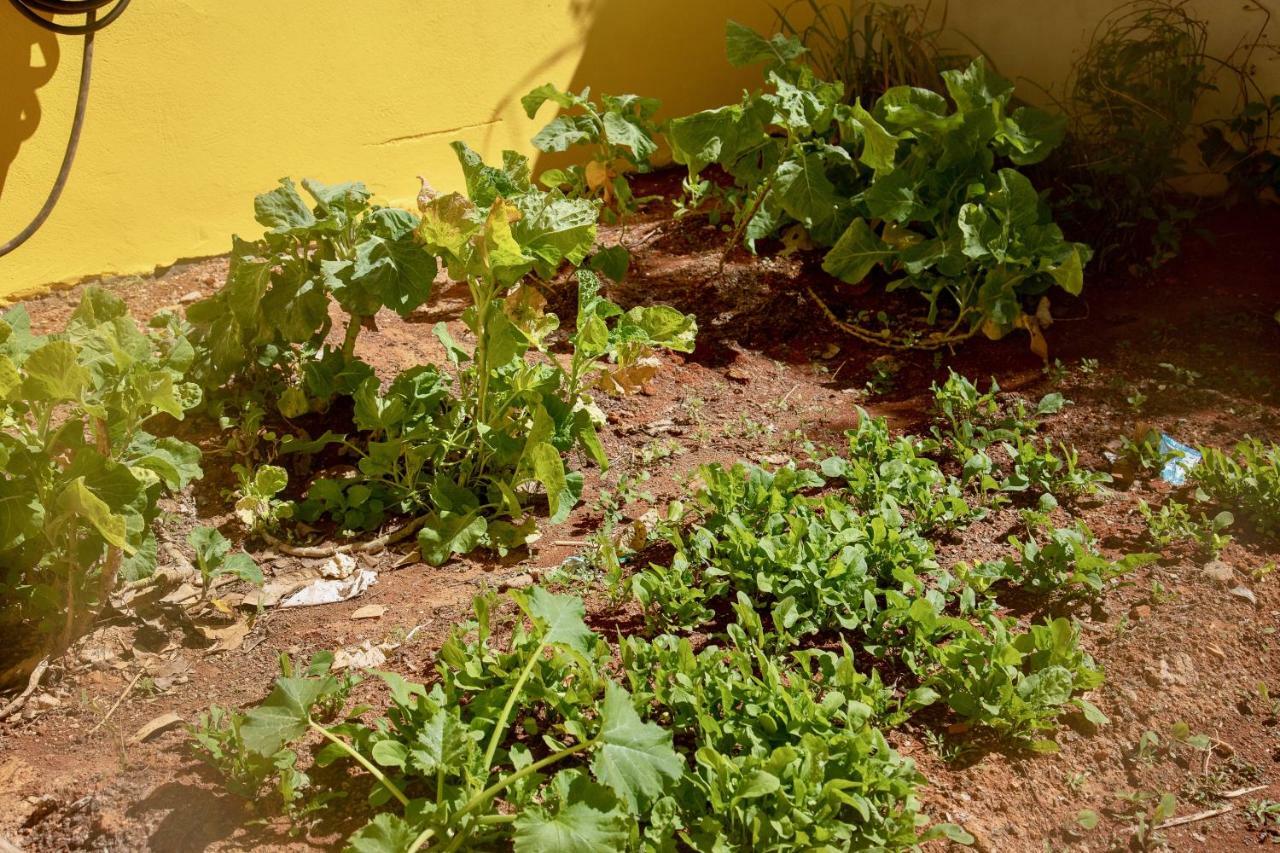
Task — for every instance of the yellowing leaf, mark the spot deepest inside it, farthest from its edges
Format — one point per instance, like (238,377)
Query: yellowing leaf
(597,174)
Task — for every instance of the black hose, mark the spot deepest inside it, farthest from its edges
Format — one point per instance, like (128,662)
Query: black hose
(89,8)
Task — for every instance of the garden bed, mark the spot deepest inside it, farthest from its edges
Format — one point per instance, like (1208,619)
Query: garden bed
(1196,339)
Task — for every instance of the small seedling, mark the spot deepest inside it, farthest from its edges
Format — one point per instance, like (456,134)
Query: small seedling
(215,559)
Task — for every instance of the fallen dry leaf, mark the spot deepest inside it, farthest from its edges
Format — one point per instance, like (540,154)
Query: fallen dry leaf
(156,726)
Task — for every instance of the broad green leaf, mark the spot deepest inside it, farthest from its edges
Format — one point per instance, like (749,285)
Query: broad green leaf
(561,618)
(54,374)
(977,86)
(554,229)
(624,132)
(282,210)
(879,146)
(390,753)
(659,325)
(856,252)
(449,222)
(283,716)
(715,136)
(560,134)
(21,513)
(611,262)
(548,469)
(548,92)
(344,200)
(486,184)
(386,833)
(270,480)
(209,545)
(1029,135)
(805,192)
(446,534)
(1070,273)
(77,502)
(176,462)
(10,379)
(635,759)
(574,828)
(756,784)
(745,46)
(909,108)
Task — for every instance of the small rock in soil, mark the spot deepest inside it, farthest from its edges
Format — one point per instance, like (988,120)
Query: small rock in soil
(370,611)
(1141,611)
(1218,571)
(1245,593)
(517,582)
(193,296)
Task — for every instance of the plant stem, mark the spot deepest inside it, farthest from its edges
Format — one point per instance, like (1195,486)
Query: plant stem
(349,342)
(744,222)
(500,727)
(364,762)
(490,792)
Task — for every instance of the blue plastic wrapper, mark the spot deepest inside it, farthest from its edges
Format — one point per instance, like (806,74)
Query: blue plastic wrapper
(1175,470)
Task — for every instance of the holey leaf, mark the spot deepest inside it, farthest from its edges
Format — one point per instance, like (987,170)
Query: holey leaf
(635,758)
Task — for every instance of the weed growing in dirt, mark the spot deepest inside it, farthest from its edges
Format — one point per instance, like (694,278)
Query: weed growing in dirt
(214,559)
(80,468)
(1173,523)
(1246,479)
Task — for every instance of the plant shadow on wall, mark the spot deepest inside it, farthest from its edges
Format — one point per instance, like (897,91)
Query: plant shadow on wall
(28,60)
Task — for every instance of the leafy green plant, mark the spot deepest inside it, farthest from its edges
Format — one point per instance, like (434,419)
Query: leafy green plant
(258,505)
(908,185)
(456,448)
(1017,684)
(1068,557)
(1144,811)
(969,421)
(1173,522)
(1243,146)
(532,745)
(80,468)
(1036,466)
(620,131)
(806,766)
(267,326)
(1246,479)
(1264,818)
(249,749)
(214,559)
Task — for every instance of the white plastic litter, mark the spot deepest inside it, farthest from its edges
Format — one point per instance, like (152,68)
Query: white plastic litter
(331,591)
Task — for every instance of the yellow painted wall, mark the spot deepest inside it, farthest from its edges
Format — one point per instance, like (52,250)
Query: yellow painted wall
(196,105)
